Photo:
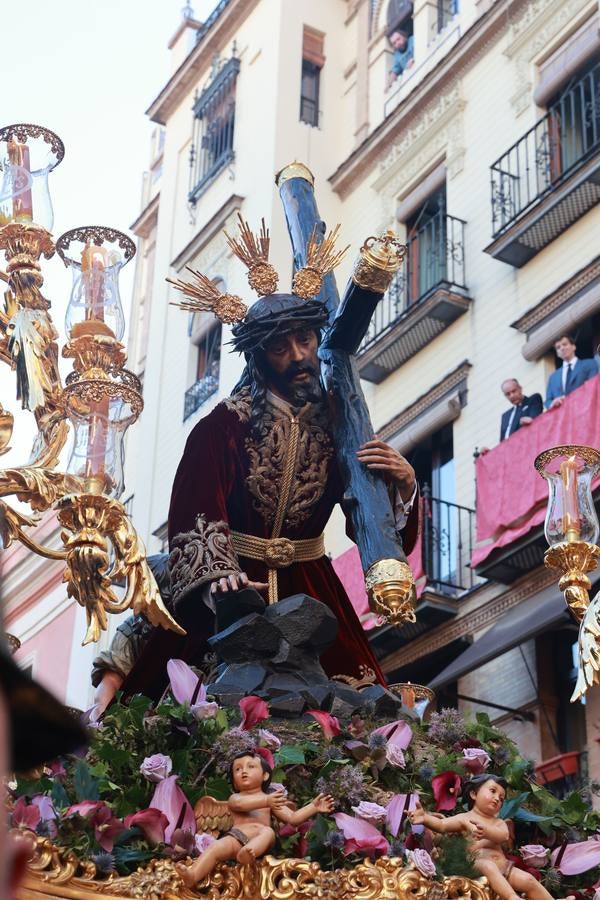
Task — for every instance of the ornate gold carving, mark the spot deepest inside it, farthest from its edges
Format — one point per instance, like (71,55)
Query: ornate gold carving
(320,260)
(266,465)
(294,170)
(588,454)
(574,559)
(391,589)
(277,879)
(22,131)
(94,521)
(367,677)
(200,556)
(588,649)
(7,421)
(380,258)
(94,349)
(203,296)
(96,234)
(254,253)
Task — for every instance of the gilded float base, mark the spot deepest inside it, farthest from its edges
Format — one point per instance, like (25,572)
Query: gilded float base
(270,879)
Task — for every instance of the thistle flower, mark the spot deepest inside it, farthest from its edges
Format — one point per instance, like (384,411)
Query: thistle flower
(397,848)
(104,862)
(344,783)
(426,773)
(446,726)
(334,839)
(377,741)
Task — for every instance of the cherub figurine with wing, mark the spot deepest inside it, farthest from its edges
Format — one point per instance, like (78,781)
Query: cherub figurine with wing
(247,817)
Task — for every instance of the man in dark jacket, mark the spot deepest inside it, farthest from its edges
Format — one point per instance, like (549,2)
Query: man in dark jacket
(524,409)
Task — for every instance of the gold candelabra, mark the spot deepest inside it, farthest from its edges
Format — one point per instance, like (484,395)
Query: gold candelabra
(572,531)
(100,399)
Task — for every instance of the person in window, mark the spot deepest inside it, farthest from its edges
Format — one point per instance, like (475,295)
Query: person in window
(572,374)
(524,409)
(403,45)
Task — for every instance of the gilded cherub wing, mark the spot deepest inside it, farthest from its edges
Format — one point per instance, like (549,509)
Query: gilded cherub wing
(212,816)
(589,650)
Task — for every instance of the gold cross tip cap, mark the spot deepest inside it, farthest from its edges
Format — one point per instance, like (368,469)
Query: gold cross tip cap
(385,252)
(294,170)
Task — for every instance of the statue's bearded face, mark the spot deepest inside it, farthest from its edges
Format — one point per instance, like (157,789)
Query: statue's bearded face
(292,366)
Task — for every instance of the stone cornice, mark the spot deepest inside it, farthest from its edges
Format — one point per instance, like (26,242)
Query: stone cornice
(210,230)
(563,294)
(482,617)
(198,60)
(486,30)
(416,409)
(147,219)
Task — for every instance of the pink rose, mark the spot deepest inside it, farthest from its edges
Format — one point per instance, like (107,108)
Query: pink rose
(422,861)
(156,767)
(372,812)
(476,760)
(395,756)
(203,841)
(534,854)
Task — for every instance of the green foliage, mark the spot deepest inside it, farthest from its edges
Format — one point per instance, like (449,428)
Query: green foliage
(455,856)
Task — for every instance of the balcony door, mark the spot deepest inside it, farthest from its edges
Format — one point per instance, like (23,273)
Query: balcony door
(426,236)
(433,461)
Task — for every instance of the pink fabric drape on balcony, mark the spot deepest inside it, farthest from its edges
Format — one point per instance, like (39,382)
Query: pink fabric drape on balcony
(511,496)
(349,571)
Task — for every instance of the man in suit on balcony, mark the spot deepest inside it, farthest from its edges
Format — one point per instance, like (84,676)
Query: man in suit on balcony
(524,409)
(572,374)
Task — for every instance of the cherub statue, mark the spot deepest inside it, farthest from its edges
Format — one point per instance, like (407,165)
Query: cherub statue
(247,817)
(487,834)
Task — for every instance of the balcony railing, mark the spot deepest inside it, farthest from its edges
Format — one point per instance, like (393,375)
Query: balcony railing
(448,536)
(214,122)
(199,393)
(435,258)
(567,136)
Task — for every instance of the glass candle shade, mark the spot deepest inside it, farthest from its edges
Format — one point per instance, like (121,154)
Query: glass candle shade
(570,472)
(100,413)
(28,153)
(95,262)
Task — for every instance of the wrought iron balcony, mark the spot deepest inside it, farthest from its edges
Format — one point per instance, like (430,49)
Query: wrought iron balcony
(448,536)
(550,177)
(199,393)
(426,296)
(214,121)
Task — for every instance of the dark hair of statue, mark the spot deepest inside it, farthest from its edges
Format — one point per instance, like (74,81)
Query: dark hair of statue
(267,770)
(473,784)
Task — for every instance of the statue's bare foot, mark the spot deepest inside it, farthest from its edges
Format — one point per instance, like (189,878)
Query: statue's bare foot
(246,855)
(186,873)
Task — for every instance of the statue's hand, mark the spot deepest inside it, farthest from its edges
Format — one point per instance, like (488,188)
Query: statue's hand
(377,454)
(236,583)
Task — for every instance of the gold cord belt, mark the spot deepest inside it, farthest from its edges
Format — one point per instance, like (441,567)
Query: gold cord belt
(277,553)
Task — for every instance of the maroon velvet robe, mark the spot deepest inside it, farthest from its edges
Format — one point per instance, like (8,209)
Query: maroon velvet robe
(228,480)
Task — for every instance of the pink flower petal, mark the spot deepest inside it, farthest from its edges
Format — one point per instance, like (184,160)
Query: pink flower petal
(184,682)
(106,828)
(266,755)
(151,822)
(399,805)
(26,815)
(44,804)
(254,710)
(579,857)
(446,789)
(170,799)
(86,808)
(398,733)
(329,724)
(360,836)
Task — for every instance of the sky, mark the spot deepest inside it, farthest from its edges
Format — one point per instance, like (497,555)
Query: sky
(87,71)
